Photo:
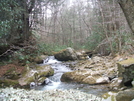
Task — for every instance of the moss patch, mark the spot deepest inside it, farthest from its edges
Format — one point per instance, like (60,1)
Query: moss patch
(127,62)
(8,82)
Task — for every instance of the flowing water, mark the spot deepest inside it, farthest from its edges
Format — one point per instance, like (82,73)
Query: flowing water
(54,82)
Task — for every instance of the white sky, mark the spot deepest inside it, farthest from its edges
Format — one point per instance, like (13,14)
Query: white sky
(69,4)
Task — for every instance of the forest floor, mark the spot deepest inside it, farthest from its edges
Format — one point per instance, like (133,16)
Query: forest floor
(9,67)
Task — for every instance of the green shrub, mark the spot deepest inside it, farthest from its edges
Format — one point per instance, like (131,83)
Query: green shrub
(49,49)
(93,40)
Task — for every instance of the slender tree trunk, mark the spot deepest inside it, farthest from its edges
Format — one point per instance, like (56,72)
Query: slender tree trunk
(27,11)
(26,22)
(104,27)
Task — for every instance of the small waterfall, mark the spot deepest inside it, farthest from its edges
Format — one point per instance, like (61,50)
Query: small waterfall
(59,69)
(51,60)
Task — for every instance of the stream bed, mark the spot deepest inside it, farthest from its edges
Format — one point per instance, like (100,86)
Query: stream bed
(54,81)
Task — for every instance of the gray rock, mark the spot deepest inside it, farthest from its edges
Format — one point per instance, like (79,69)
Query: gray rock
(67,54)
(116,83)
(82,55)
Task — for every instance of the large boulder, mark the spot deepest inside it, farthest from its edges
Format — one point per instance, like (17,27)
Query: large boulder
(36,75)
(98,70)
(84,76)
(40,59)
(66,54)
(126,95)
(125,70)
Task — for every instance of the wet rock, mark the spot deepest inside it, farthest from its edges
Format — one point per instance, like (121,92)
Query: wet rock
(38,81)
(116,83)
(46,81)
(132,83)
(126,95)
(66,55)
(84,76)
(36,75)
(125,69)
(32,84)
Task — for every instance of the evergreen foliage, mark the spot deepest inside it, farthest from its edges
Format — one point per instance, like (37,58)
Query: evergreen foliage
(10,21)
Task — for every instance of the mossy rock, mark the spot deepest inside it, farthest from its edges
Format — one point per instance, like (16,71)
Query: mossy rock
(41,71)
(127,62)
(125,69)
(41,80)
(29,79)
(66,77)
(47,73)
(45,70)
(127,95)
(12,74)
(8,82)
(40,59)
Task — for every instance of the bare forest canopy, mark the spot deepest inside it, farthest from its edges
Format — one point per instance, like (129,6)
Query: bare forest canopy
(106,26)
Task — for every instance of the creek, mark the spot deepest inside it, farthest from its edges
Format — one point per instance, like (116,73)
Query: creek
(54,81)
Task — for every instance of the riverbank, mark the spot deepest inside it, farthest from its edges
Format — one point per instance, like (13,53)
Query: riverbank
(11,94)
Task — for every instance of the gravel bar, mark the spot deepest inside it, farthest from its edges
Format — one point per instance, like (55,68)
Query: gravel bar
(11,94)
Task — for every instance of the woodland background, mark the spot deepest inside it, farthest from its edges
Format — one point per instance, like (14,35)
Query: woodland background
(32,27)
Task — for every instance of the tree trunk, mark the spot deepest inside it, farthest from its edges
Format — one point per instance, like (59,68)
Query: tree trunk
(128,8)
